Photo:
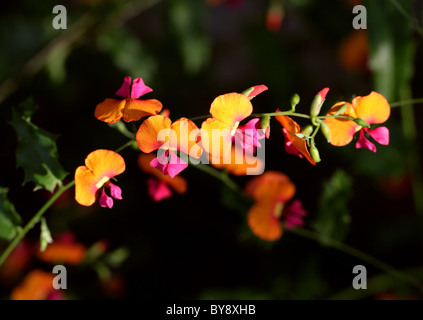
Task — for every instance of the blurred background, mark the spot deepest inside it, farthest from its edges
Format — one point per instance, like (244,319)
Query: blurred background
(197,245)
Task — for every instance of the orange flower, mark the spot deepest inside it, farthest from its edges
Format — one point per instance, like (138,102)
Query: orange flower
(100,166)
(131,109)
(37,285)
(228,111)
(158,132)
(64,249)
(271,191)
(373,109)
(293,143)
(158,187)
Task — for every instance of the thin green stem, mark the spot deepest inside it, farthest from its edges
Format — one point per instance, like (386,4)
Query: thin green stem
(360,255)
(200,117)
(220,175)
(284,113)
(33,221)
(406,102)
(128,144)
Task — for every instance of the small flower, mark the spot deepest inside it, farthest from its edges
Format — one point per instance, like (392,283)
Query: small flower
(159,186)
(100,166)
(64,249)
(158,132)
(293,215)
(294,144)
(373,109)
(271,192)
(130,109)
(37,285)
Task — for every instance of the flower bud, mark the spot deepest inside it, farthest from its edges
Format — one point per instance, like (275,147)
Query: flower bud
(314,153)
(317,102)
(326,131)
(250,93)
(294,101)
(361,122)
(265,125)
(307,130)
(341,110)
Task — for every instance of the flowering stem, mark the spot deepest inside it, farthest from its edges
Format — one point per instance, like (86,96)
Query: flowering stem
(219,175)
(33,221)
(360,255)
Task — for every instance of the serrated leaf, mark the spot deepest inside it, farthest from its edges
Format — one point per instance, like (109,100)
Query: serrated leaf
(9,218)
(45,235)
(36,152)
(333,218)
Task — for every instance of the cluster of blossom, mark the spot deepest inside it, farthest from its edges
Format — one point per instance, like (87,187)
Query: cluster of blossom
(223,142)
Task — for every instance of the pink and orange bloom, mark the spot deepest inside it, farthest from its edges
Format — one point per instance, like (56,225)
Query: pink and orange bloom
(129,108)
(100,166)
(272,191)
(160,185)
(37,285)
(159,133)
(374,109)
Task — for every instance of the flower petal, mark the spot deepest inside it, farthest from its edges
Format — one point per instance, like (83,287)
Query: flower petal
(110,110)
(216,138)
(363,143)
(158,190)
(373,108)
(137,109)
(293,215)
(115,191)
(380,134)
(231,108)
(342,130)
(291,129)
(124,89)
(105,201)
(187,134)
(139,88)
(105,163)
(37,285)
(178,183)
(255,91)
(85,186)
(148,133)
(60,253)
(263,223)
(271,186)
(176,165)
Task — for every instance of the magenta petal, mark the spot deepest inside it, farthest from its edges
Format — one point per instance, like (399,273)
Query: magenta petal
(105,201)
(289,147)
(139,88)
(257,90)
(176,165)
(364,143)
(160,162)
(158,190)
(115,191)
(293,215)
(124,89)
(380,134)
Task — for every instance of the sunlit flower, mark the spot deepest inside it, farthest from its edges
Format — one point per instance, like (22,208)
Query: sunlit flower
(271,191)
(373,109)
(160,185)
(294,144)
(130,109)
(159,133)
(37,285)
(63,250)
(100,166)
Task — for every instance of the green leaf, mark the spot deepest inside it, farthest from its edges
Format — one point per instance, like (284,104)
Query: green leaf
(45,235)
(333,218)
(9,218)
(36,152)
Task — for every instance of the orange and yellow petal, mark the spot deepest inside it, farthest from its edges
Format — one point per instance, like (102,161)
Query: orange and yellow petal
(216,138)
(239,163)
(58,253)
(271,186)
(37,285)
(341,130)
(188,135)
(373,108)
(137,109)
(110,110)
(263,222)
(177,183)
(105,163)
(231,108)
(292,128)
(85,186)
(148,133)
